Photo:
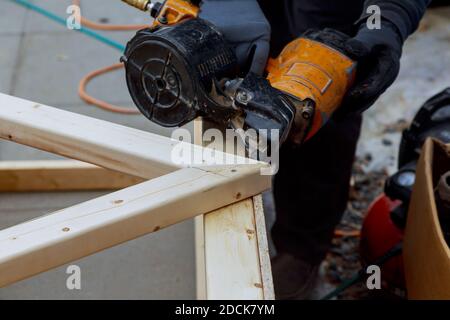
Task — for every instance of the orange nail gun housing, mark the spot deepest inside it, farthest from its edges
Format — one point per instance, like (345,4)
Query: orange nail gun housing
(306,83)
(309,70)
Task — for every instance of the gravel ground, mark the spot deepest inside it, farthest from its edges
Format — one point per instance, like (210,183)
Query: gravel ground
(343,261)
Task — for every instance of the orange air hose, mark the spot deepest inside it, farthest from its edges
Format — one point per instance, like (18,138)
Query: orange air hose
(97,102)
(108,27)
(344,234)
(85,81)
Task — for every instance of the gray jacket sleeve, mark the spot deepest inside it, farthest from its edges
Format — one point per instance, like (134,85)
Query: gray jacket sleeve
(405,15)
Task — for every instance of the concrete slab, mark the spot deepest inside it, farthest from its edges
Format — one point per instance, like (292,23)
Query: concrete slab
(70,55)
(16,17)
(9,51)
(55,63)
(101,11)
(36,23)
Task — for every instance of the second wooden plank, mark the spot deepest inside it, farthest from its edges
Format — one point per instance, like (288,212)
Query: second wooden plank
(60,175)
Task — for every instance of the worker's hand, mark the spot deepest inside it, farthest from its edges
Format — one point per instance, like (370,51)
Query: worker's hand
(378,54)
(246,28)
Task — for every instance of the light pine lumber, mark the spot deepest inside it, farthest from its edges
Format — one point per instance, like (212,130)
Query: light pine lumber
(263,248)
(199,228)
(95,141)
(232,256)
(60,175)
(426,255)
(70,234)
(200,262)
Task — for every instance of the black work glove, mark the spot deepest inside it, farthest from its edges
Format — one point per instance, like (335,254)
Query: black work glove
(244,25)
(378,55)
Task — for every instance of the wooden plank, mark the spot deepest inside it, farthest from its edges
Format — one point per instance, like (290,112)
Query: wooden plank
(199,225)
(70,234)
(102,143)
(60,175)
(200,261)
(426,254)
(232,255)
(263,249)
(231,252)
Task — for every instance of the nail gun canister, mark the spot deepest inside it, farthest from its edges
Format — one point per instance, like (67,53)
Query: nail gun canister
(170,71)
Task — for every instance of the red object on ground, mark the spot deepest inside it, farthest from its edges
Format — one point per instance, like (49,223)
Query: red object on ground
(378,235)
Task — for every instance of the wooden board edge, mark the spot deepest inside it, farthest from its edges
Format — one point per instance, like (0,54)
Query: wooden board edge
(60,175)
(262,259)
(263,247)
